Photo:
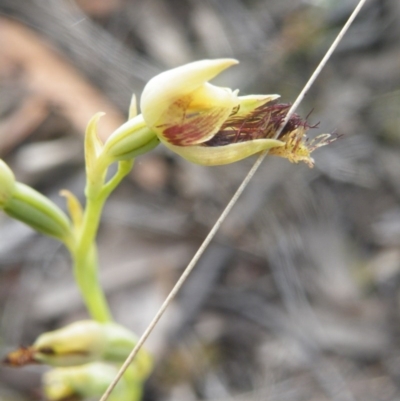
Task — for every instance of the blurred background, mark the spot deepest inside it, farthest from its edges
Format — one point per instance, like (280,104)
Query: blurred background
(298,296)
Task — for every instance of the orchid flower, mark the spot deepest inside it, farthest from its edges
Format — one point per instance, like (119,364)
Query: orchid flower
(211,125)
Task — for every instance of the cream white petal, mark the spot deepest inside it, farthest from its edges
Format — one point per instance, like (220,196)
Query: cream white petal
(218,155)
(169,86)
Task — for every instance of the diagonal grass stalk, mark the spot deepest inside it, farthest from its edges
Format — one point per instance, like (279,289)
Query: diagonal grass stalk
(230,204)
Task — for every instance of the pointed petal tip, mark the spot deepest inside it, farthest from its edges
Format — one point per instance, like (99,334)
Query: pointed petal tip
(226,61)
(213,67)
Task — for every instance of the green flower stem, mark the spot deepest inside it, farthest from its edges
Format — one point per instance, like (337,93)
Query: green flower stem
(85,251)
(124,167)
(86,276)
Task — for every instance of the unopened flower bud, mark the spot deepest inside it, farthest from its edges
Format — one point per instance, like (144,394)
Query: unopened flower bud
(83,342)
(7,184)
(86,381)
(78,343)
(37,211)
(130,140)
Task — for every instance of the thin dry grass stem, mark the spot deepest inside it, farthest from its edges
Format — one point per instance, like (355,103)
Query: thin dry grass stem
(230,205)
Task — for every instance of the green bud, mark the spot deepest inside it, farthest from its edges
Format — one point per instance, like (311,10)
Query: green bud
(37,211)
(86,381)
(131,139)
(7,184)
(88,341)
(76,344)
